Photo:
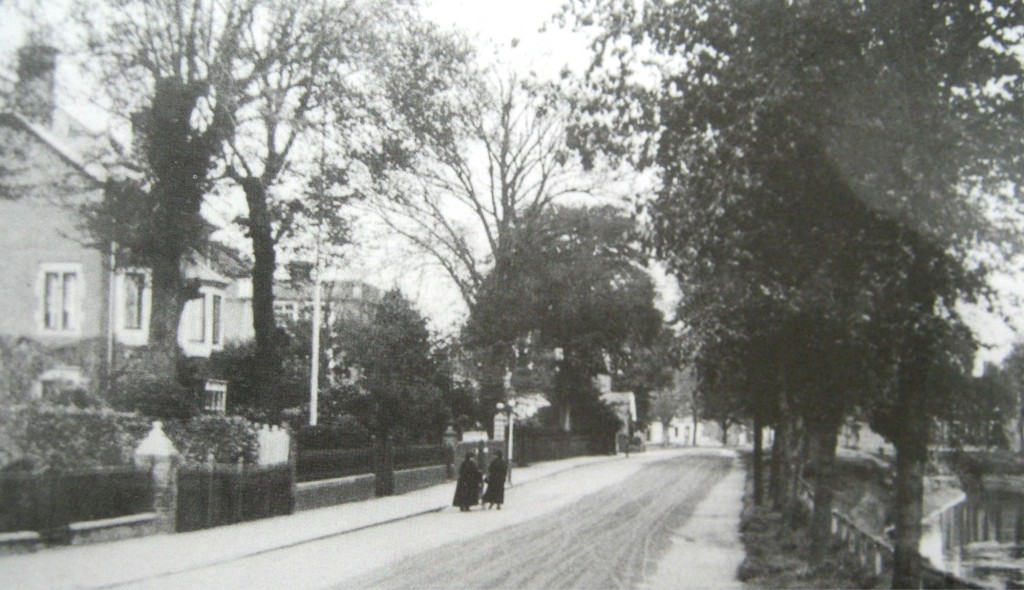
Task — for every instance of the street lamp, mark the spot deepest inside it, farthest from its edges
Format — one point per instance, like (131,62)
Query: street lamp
(510,410)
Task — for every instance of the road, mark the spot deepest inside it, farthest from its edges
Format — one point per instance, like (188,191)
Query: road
(621,524)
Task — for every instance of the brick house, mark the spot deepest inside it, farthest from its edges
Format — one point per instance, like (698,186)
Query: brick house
(57,287)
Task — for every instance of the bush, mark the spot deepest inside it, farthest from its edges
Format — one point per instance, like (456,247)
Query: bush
(42,437)
(229,438)
(346,432)
(150,385)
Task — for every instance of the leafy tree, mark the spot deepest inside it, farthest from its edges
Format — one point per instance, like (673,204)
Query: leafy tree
(486,171)
(244,89)
(580,287)
(675,399)
(395,363)
(910,103)
(166,64)
(333,70)
(981,413)
(647,370)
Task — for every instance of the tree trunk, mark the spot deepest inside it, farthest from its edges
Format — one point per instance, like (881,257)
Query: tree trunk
(823,455)
(725,434)
(784,435)
(695,423)
(792,513)
(268,360)
(168,301)
(911,457)
(758,461)
(777,475)
(383,465)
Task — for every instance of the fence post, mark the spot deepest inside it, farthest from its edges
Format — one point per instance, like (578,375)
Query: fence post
(241,486)
(157,453)
(209,489)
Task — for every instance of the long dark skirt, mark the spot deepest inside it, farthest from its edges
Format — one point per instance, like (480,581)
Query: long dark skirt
(467,494)
(496,475)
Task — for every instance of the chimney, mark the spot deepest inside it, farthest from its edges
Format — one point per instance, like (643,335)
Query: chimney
(34,91)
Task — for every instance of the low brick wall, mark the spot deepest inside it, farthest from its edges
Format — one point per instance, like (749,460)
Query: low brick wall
(409,480)
(19,542)
(330,492)
(112,529)
(310,495)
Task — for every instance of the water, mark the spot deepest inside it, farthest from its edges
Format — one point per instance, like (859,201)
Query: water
(982,538)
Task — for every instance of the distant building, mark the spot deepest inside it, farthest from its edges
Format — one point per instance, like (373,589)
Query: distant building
(340,300)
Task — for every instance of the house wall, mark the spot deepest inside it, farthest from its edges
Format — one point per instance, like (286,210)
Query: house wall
(37,227)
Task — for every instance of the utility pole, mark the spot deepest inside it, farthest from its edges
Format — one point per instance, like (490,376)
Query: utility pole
(314,361)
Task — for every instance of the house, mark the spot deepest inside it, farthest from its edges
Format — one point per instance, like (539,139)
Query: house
(680,432)
(350,300)
(622,402)
(57,286)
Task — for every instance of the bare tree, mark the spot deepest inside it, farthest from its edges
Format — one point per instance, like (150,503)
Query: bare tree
(265,86)
(484,179)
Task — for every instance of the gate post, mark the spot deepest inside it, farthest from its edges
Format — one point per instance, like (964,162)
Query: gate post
(157,453)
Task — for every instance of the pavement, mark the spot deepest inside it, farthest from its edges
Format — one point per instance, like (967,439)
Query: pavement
(119,563)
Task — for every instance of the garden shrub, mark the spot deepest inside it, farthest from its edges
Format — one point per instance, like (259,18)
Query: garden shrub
(229,438)
(344,432)
(39,437)
(21,362)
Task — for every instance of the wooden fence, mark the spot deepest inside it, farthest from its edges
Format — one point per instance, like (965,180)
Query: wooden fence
(212,495)
(316,464)
(876,553)
(48,502)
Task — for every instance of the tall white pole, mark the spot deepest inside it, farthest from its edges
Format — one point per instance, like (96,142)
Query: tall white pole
(511,440)
(314,362)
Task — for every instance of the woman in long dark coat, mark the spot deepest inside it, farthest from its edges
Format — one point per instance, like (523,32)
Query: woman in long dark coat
(497,472)
(467,490)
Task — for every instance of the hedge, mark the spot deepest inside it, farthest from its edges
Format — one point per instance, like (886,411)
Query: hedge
(39,437)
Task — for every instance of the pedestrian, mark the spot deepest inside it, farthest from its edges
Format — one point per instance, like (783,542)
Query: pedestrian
(497,472)
(467,489)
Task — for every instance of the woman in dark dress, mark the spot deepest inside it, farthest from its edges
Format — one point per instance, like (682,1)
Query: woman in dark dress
(497,472)
(467,490)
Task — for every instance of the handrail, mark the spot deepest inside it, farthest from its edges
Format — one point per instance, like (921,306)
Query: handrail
(875,549)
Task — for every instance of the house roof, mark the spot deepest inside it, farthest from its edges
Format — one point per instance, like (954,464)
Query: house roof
(621,399)
(92,172)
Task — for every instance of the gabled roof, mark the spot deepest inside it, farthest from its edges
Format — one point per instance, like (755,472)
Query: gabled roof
(95,174)
(621,399)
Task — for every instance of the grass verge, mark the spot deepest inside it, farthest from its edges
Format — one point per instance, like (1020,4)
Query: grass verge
(777,555)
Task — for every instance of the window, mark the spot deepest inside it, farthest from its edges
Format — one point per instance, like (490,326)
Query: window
(134,289)
(61,298)
(196,310)
(216,318)
(216,395)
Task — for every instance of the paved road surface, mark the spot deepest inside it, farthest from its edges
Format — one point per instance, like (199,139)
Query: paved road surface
(611,539)
(617,524)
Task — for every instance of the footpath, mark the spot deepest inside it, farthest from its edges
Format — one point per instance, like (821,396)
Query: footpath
(109,565)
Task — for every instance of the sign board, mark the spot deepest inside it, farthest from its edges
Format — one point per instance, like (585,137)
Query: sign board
(500,422)
(474,436)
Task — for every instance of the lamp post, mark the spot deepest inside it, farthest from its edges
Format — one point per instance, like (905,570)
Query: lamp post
(510,409)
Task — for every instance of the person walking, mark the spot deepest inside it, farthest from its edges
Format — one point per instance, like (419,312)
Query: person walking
(467,489)
(497,472)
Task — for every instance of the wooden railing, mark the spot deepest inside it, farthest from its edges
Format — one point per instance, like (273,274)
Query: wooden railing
(874,552)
